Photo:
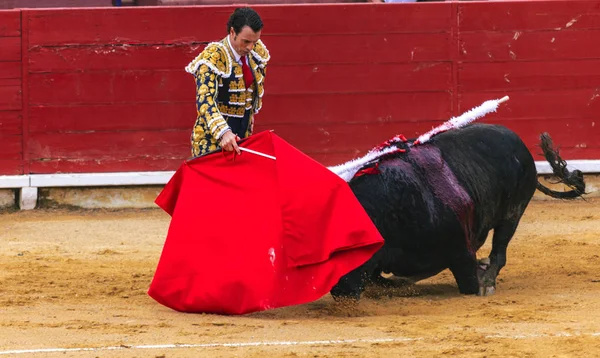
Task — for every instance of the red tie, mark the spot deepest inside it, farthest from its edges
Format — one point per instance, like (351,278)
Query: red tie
(248,77)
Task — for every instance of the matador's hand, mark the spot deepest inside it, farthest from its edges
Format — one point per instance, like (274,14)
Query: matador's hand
(229,142)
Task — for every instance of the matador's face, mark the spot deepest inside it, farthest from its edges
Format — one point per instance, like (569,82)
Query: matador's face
(243,42)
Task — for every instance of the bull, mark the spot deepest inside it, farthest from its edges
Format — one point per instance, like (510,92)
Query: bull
(434,204)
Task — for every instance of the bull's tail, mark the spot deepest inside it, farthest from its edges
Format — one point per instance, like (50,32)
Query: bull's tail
(573,180)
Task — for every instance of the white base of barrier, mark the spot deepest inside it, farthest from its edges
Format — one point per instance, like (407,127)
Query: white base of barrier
(28,198)
(29,184)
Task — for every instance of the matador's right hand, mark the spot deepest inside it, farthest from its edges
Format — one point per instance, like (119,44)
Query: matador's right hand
(229,142)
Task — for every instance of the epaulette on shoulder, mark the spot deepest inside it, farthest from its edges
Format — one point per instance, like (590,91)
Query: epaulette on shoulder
(260,53)
(214,56)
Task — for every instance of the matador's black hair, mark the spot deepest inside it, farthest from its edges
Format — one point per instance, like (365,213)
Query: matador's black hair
(244,16)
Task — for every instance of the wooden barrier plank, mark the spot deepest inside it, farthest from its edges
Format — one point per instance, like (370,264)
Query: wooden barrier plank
(113,117)
(330,159)
(11,123)
(336,144)
(10,94)
(11,147)
(335,137)
(355,108)
(25,87)
(503,76)
(207,23)
(349,78)
(357,18)
(369,49)
(575,139)
(11,49)
(347,137)
(55,3)
(527,46)
(110,87)
(169,85)
(540,105)
(10,70)
(573,133)
(151,25)
(529,15)
(107,165)
(278,109)
(365,49)
(10,23)
(11,167)
(11,143)
(103,80)
(107,145)
(112,57)
(572,154)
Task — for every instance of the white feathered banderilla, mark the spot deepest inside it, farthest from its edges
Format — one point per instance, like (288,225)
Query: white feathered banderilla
(347,170)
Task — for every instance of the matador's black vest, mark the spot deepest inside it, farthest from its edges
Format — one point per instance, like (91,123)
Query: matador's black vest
(239,125)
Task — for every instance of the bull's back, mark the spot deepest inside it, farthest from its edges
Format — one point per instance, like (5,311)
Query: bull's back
(492,164)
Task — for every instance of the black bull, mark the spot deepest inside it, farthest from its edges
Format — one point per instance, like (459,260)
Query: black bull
(435,204)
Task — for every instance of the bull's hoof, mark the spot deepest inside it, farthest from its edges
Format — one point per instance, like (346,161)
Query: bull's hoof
(487,284)
(486,291)
(484,263)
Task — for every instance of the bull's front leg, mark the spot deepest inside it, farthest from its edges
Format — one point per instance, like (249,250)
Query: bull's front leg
(350,286)
(488,269)
(463,266)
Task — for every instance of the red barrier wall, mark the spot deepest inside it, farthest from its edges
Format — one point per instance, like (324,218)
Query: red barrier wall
(11,119)
(99,90)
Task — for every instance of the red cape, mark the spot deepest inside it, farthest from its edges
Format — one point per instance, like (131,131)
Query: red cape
(255,233)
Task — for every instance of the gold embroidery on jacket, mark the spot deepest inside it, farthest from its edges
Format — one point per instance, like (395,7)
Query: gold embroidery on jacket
(210,67)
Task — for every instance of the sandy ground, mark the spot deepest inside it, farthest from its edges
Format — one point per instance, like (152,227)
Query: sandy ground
(78,279)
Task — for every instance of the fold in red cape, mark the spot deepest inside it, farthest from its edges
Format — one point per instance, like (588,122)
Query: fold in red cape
(255,233)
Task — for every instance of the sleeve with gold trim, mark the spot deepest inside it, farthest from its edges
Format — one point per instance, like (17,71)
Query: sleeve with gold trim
(261,57)
(212,64)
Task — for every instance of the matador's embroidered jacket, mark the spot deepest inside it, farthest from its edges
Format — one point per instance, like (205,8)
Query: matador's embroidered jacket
(223,102)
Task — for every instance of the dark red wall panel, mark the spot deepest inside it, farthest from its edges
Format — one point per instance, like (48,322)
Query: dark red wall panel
(11,123)
(11,120)
(529,15)
(11,48)
(14,4)
(10,94)
(90,58)
(357,108)
(105,165)
(10,23)
(102,145)
(159,116)
(529,75)
(545,56)
(347,48)
(110,87)
(126,25)
(11,146)
(107,151)
(527,46)
(10,69)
